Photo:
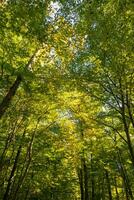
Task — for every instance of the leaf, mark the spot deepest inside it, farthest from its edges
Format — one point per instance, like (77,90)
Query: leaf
(9,68)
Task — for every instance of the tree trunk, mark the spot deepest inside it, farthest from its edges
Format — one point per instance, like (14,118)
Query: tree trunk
(8,98)
(116,189)
(108,185)
(80,175)
(24,171)
(130,109)
(92,180)
(85,180)
(12,91)
(6,195)
(125,178)
(126,125)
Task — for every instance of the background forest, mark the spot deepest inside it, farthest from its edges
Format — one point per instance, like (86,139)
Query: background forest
(66,100)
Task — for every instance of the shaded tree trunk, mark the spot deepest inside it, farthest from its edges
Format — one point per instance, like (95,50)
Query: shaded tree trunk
(116,189)
(12,91)
(92,180)
(85,180)
(125,178)
(9,96)
(108,185)
(81,182)
(6,195)
(126,125)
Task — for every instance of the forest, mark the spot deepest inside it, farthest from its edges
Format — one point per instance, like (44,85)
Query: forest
(66,100)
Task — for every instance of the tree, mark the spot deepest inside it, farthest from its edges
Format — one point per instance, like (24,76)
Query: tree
(66,100)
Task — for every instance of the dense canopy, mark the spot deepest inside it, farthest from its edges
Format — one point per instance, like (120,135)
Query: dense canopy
(66,100)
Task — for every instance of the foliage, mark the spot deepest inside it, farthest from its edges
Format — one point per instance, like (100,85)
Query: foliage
(66,100)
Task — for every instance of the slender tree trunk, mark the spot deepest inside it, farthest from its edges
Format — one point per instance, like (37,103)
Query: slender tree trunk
(81,182)
(125,178)
(83,170)
(92,180)
(126,126)
(108,185)
(128,140)
(116,189)
(20,181)
(103,187)
(8,142)
(29,156)
(6,195)
(23,172)
(85,180)
(130,109)
(12,175)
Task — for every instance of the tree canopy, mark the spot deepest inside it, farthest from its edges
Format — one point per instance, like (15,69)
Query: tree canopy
(66,100)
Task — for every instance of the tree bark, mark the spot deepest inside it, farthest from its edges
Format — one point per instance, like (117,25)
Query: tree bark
(80,175)
(7,99)
(6,195)
(12,91)
(85,180)
(126,125)
(116,189)
(125,178)
(108,185)
(92,179)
